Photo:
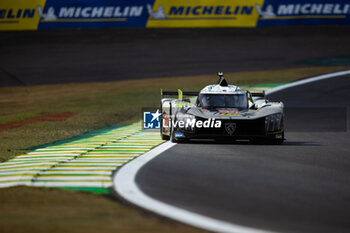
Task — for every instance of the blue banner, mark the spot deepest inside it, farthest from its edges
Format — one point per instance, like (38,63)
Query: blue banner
(300,12)
(43,14)
(94,13)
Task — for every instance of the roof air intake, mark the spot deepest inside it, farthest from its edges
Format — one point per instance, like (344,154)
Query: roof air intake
(222,82)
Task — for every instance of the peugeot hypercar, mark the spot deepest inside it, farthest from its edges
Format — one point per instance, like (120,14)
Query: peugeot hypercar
(221,111)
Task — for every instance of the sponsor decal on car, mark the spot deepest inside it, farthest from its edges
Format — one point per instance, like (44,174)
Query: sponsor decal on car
(229,113)
(179,135)
(230,128)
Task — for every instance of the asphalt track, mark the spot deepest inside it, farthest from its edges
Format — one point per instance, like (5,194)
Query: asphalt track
(300,186)
(63,56)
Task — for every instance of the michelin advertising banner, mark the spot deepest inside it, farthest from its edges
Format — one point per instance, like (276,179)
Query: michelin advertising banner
(44,14)
(299,12)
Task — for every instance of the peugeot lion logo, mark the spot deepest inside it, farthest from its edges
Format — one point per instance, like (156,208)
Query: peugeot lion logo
(230,128)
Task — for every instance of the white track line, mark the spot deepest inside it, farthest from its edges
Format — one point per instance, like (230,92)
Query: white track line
(125,185)
(308,80)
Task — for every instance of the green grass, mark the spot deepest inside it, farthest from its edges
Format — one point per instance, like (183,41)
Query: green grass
(43,210)
(96,105)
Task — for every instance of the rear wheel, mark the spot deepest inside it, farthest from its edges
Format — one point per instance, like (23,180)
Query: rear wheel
(172,135)
(165,137)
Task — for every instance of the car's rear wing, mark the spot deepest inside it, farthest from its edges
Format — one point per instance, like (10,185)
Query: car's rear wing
(178,93)
(260,94)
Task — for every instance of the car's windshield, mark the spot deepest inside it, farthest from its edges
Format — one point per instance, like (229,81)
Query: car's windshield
(223,100)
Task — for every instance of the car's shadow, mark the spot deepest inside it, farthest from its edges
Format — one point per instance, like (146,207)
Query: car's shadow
(301,143)
(247,142)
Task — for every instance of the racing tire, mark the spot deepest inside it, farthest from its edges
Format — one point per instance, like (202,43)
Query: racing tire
(183,140)
(267,141)
(172,135)
(165,137)
(274,141)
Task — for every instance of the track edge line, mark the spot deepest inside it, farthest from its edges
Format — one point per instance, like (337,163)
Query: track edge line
(126,188)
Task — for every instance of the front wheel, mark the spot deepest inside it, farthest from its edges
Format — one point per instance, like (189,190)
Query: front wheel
(268,140)
(275,141)
(172,135)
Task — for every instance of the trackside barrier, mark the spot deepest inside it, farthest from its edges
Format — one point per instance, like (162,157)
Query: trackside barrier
(44,14)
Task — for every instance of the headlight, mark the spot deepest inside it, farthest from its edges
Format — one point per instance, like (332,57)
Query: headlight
(273,122)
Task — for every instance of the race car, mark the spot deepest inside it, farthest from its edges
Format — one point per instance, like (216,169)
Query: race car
(221,112)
